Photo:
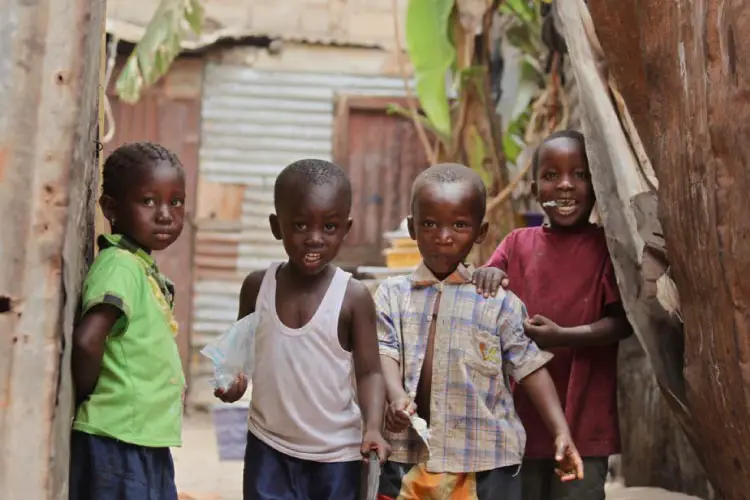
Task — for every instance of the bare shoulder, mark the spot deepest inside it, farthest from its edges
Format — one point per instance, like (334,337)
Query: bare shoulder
(249,292)
(358,297)
(253,281)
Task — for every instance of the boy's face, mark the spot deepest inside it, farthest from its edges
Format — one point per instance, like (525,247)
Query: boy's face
(563,177)
(152,209)
(445,225)
(312,224)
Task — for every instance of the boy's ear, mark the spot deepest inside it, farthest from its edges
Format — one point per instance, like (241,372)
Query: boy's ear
(482,233)
(273,219)
(109,207)
(410,226)
(348,228)
(534,189)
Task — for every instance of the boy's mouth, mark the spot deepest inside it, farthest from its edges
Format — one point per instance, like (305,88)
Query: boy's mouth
(563,206)
(312,257)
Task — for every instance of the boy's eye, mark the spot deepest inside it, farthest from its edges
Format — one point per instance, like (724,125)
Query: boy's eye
(178,203)
(428,224)
(582,175)
(330,227)
(149,202)
(549,175)
(460,225)
(300,226)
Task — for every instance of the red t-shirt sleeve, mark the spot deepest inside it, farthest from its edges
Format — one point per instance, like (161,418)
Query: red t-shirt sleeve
(609,284)
(501,255)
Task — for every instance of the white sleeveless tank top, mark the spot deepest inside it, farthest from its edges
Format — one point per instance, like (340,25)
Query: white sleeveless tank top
(303,399)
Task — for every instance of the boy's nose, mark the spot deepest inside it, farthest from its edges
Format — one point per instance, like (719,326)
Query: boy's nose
(164,214)
(444,237)
(565,183)
(314,238)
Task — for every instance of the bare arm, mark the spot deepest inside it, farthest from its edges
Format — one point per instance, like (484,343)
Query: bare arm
(393,384)
(608,330)
(249,293)
(543,395)
(89,338)
(248,296)
(541,390)
(367,368)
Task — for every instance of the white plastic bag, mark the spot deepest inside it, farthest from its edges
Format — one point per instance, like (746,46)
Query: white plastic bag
(233,352)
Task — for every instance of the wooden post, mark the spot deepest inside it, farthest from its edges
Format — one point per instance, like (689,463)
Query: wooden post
(655,451)
(48,97)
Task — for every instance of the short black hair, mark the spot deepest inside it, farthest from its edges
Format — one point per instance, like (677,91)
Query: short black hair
(127,162)
(566,134)
(311,172)
(453,173)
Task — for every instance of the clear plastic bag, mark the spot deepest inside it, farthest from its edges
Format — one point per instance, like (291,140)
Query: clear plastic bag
(233,352)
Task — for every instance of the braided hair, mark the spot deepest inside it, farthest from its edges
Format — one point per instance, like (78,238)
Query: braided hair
(127,162)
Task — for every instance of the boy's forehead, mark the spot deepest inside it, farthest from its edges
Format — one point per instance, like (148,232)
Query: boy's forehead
(329,197)
(561,146)
(447,195)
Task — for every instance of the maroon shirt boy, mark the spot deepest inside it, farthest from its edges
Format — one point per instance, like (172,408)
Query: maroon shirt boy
(564,275)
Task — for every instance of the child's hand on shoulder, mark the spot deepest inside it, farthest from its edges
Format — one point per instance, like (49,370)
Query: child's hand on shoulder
(235,391)
(374,441)
(570,465)
(541,330)
(488,280)
(397,418)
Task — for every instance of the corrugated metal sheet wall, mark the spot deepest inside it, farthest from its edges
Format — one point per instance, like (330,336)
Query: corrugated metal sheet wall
(254,124)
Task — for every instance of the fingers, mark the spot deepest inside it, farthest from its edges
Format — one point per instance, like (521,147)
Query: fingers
(411,408)
(383,452)
(396,421)
(565,476)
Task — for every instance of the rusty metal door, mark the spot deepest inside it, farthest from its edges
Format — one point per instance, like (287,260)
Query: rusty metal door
(169,114)
(382,156)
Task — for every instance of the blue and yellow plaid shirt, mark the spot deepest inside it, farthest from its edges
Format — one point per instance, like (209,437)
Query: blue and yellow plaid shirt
(479,345)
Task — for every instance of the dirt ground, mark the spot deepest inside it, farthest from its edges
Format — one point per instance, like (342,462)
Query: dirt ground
(201,476)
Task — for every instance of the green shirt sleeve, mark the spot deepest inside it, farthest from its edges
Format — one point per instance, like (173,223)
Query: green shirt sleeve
(115,278)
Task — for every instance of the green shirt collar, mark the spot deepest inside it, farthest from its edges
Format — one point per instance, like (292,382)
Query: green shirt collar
(149,264)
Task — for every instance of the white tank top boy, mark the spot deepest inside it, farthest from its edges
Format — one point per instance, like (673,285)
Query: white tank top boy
(303,400)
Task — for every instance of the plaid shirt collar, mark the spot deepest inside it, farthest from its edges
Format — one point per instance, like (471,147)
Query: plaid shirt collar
(422,277)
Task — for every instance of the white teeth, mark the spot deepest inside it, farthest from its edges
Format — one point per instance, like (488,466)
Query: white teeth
(549,204)
(312,257)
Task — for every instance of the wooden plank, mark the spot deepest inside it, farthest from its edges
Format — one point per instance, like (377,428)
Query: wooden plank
(624,183)
(48,97)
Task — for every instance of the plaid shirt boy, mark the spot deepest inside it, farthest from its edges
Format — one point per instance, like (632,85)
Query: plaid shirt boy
(479,344)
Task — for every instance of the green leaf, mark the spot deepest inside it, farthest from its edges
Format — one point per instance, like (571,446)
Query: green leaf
(159,46)
(432,55)
(525,10)
(512,147)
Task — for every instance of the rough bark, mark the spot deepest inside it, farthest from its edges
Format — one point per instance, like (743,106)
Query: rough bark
(49,59)
(694,77)
(625,187)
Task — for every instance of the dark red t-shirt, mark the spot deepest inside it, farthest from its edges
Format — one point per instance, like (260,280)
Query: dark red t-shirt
(567,276)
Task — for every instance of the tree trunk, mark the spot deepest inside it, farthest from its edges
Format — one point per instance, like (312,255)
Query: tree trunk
(682,69)
(49,60)
(655,451)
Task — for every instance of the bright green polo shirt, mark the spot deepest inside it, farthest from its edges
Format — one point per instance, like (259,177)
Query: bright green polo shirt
(138,398)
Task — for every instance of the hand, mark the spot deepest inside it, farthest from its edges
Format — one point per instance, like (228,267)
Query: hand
(570,465)
(397,416)
(235,391)
(541,330)
(374,441)
(488,280)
